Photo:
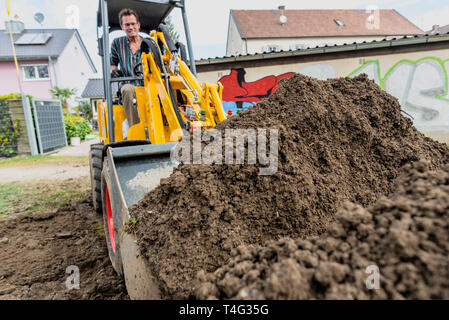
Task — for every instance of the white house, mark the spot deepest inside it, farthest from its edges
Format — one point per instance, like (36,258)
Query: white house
(46,57)
(257,31)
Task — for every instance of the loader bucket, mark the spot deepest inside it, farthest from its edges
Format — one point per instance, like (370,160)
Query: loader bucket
(139,169)
(129,173)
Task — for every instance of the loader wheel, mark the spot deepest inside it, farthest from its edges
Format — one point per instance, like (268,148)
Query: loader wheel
(96,165)
(110,220)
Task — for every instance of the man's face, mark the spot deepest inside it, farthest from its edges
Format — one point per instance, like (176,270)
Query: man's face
(130,26)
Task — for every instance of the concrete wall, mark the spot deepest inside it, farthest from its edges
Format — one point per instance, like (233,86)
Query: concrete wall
(9,83)
(419,80)
(8,78)
(235,44)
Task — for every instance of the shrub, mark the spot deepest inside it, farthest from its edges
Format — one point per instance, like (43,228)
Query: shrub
(15,96)
(76,127)
(85,110)
(9,129)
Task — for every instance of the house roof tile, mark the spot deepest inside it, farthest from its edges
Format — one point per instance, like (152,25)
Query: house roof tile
(54,46)
(319,23)
(94,88)
(440,30)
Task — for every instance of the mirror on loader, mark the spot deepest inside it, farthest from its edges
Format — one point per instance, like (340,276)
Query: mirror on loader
(128,164)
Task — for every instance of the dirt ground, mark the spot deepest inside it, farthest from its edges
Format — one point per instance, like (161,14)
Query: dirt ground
(40,247)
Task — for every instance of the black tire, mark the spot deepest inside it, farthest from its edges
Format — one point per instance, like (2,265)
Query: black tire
(96,166)
(111,228)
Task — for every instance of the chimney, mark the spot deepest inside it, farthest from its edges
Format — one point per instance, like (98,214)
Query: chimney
(435,28)
(17,26)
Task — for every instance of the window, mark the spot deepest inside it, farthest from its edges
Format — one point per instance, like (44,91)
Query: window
(326,44)
(271,48)
(298,46)
(36,72)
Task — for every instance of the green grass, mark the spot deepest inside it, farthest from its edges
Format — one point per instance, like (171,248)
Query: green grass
(93,135)
(40,196)
(8,197)
(41,159)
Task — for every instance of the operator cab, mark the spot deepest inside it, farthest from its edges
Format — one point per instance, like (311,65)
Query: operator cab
(148,45)
(152,15)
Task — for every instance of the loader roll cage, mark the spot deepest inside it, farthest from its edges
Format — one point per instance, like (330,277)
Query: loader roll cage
(151,13)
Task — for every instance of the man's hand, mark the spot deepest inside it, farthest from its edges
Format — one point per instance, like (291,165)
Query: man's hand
(116,73)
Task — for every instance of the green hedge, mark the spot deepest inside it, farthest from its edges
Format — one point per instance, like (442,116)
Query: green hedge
(76,127)
(9,129)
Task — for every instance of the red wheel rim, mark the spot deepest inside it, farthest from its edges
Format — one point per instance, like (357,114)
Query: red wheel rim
(109,218)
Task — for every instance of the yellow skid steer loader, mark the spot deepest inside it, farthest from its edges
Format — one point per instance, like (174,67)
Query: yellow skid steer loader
(129,163)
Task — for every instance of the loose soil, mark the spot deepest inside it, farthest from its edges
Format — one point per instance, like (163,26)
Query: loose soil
(405,236)
(339,140)
(36,249)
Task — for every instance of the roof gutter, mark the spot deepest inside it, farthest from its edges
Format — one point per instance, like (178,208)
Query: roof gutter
(11,58)
(337,48)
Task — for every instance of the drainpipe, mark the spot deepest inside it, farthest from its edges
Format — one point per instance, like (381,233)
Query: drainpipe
(53,70)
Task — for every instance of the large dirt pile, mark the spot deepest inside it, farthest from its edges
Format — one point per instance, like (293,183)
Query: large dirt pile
(406,236)
(339,140)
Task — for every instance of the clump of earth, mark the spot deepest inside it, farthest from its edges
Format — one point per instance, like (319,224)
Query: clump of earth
(398,248)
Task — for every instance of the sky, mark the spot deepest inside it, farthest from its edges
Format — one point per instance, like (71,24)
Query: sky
(208,19)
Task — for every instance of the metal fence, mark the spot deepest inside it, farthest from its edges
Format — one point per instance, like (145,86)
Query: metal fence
(50,126)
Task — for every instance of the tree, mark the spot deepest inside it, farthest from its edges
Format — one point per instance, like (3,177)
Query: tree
(85,110)
(63,94)
(171,29)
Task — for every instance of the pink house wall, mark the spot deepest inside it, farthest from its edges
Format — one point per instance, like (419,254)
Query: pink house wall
(9,84)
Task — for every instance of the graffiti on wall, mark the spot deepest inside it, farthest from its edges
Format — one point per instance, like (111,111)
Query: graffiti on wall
(421,86)
(239,94)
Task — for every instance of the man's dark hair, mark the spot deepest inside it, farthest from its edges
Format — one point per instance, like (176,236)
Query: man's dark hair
(127,12)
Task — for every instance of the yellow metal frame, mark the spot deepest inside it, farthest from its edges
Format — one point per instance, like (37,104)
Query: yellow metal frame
(158,120)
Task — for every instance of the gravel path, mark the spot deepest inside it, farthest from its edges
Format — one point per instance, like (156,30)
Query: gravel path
(43,172)
(61,170)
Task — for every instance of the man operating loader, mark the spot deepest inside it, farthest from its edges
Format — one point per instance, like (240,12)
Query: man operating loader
(125,52)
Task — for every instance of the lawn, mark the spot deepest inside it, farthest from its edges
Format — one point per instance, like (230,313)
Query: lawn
(40,196)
